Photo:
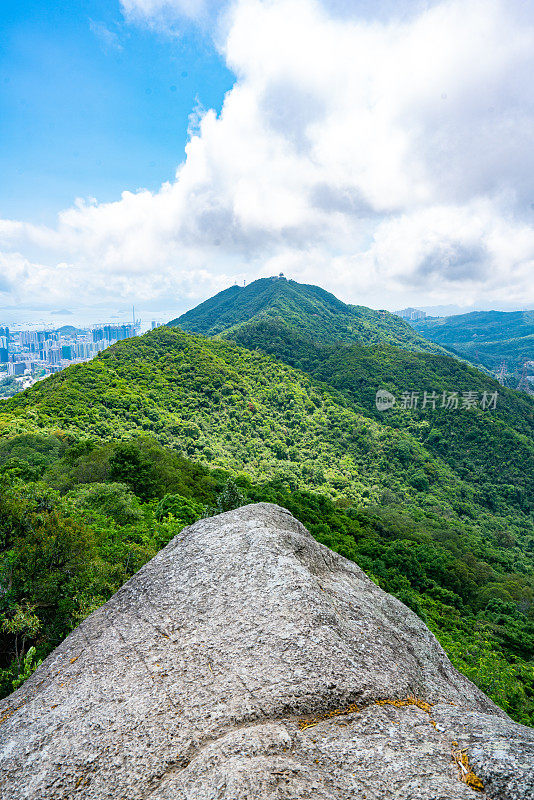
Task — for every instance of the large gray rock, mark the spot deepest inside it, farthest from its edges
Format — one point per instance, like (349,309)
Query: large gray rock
(246,661)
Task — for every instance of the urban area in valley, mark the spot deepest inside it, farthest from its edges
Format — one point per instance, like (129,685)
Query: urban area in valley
(27,356)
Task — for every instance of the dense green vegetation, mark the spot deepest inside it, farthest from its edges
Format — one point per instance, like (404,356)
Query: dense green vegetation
(9,386)
(485,337)
(106,461)
(231,407)
(77,519)
(492,451)
(304,307)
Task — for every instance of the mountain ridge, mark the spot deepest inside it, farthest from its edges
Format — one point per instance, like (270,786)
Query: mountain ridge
(218,382)
(305,307)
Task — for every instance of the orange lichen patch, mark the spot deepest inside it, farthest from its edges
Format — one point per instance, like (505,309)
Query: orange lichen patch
(337,712)
(408,701)
(10,711)
(466,773)
(354,708)
(74,659)
(82,781)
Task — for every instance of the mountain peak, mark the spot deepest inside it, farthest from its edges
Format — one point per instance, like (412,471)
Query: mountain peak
(305,309)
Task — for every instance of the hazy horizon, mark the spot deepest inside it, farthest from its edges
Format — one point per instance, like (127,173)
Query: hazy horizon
(82,316)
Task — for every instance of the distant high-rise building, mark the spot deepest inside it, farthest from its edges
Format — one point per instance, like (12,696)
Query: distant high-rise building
(84,349)
(16,368)
(45,351)
(411,314)
(4,345)
(113,333)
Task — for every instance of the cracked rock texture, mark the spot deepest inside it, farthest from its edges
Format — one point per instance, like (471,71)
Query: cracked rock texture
(210,675)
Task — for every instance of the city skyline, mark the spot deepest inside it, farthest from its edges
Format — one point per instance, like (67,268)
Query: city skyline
(28,356)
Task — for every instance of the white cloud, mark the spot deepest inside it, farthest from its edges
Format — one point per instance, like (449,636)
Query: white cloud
(165,15)
(110,39)
(387,160)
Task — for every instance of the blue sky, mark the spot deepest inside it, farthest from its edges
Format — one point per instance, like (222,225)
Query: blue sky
(381,149)
(91,106)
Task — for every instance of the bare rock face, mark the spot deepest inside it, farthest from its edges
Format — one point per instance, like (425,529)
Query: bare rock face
(248,662)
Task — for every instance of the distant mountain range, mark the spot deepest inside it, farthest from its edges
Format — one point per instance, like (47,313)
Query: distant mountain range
(483,338)
(490,339)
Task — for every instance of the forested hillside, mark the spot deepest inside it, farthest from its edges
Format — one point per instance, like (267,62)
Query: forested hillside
(493,451)
(78,516)
(85,502)
(308,309)
(232,407)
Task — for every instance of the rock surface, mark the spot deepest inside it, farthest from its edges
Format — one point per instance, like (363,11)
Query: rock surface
(248,662)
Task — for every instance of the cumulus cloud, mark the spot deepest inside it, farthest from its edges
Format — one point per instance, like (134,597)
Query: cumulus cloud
(388,159)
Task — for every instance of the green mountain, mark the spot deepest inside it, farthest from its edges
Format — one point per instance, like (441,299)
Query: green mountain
(304,326)
(101,464)
(308,309)
(486,338)
(238,408)
(493,450)
(69,330)
(218,403)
